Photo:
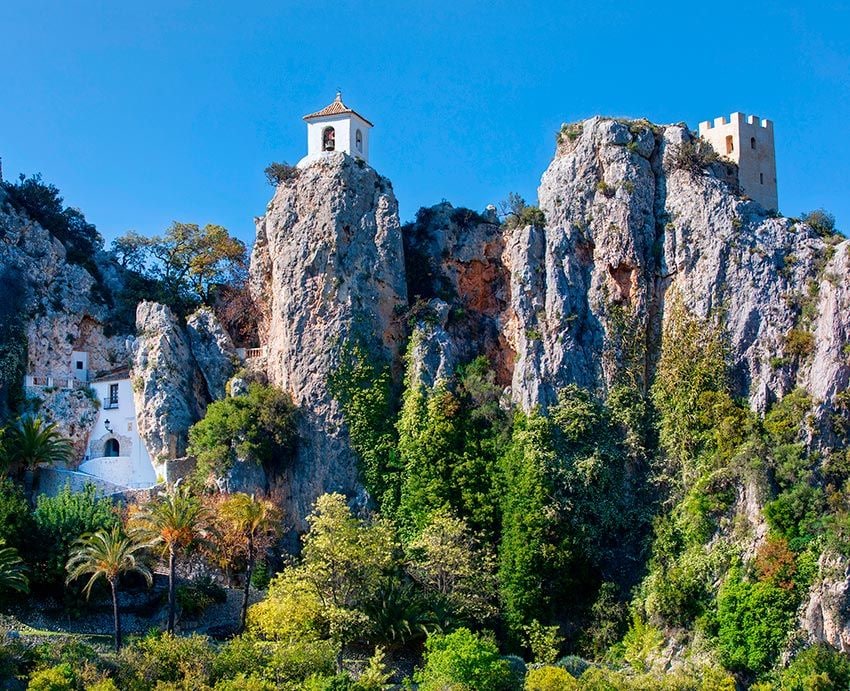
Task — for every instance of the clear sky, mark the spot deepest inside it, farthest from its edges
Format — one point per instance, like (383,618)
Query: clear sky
(148,112)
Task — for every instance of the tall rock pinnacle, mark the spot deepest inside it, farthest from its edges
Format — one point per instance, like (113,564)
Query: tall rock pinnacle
(327,265)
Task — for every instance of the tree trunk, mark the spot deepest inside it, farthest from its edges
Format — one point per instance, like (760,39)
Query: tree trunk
(172,604)
(248,573)
(116,615)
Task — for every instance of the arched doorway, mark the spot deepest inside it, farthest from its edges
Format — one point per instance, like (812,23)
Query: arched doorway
(328,139)
(111,448)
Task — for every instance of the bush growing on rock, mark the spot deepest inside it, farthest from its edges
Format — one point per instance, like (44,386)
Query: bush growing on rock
(694,155)
(279,173)
(258,428)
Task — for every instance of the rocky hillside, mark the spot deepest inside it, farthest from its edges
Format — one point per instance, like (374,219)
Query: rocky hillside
(55,303)
(631,223)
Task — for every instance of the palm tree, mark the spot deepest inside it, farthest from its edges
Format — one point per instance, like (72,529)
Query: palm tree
(174,522)
(106,554)
(12,570)
(253,519)
(32,440)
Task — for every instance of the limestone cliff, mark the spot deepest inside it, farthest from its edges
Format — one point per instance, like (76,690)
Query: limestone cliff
(628,226)
(54,303)
(327,265)
(176,371)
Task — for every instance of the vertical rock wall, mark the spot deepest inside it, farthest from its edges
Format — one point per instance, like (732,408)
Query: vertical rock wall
(327,265)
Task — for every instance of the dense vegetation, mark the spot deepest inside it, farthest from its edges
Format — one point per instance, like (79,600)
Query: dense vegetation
(566,548)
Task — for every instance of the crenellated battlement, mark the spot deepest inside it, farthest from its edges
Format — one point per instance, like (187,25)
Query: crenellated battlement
(736,118)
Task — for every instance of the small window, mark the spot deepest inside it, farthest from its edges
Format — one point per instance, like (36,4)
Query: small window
(79,364)
(752,142)
(358,140)
(112,448)
(761,178)
(730,147)
(328,139)
(113,395)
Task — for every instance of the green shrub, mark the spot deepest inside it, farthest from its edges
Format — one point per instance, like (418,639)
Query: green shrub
(753,621)
(569,132)
(462,660)
(797,514)
(16,521)
(243,682)
(166,658)
(43,203)
(295,662)
(261,575)
(258,427)
(238,655)
(59,522)
(821,221)
(58,678)
(550,678)
(799,343)
(694,155)
(279,173)
(818,667)
(193,598)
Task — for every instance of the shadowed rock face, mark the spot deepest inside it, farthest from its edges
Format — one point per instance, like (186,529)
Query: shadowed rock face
(327,265)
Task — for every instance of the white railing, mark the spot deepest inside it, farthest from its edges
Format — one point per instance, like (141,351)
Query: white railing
(49,380)
(251,353)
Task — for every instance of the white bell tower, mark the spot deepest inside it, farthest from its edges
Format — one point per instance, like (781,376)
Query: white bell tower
(336,128)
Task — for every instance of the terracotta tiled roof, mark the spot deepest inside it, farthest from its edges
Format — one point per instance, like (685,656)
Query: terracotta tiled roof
(336,108)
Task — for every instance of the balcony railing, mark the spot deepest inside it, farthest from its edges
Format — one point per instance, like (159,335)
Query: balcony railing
(110,403)
(48,380)
(250,353)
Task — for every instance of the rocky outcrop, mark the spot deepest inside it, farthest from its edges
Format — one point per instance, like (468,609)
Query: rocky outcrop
(327,265)
(169,390)
(825,616)
(627,226)
(55,302)
(212,349)
(454,262)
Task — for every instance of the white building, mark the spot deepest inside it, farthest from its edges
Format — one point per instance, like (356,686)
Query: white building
(747,141)
(116,452)
(336,128)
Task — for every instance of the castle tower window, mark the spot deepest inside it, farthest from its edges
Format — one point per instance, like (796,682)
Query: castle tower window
(111,448)
(761,178)
(358,140)
(730,147)
(328,139)
(752,142)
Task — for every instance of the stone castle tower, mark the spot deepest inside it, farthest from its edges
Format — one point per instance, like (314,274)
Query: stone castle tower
(747,141)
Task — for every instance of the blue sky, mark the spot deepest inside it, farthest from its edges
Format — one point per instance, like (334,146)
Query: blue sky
(148,112)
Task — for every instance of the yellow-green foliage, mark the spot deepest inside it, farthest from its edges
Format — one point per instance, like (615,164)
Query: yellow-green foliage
(58,678)
(345,562)
(550,678)
(291,611)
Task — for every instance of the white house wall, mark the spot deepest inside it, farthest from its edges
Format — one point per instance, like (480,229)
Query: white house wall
(133,466)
